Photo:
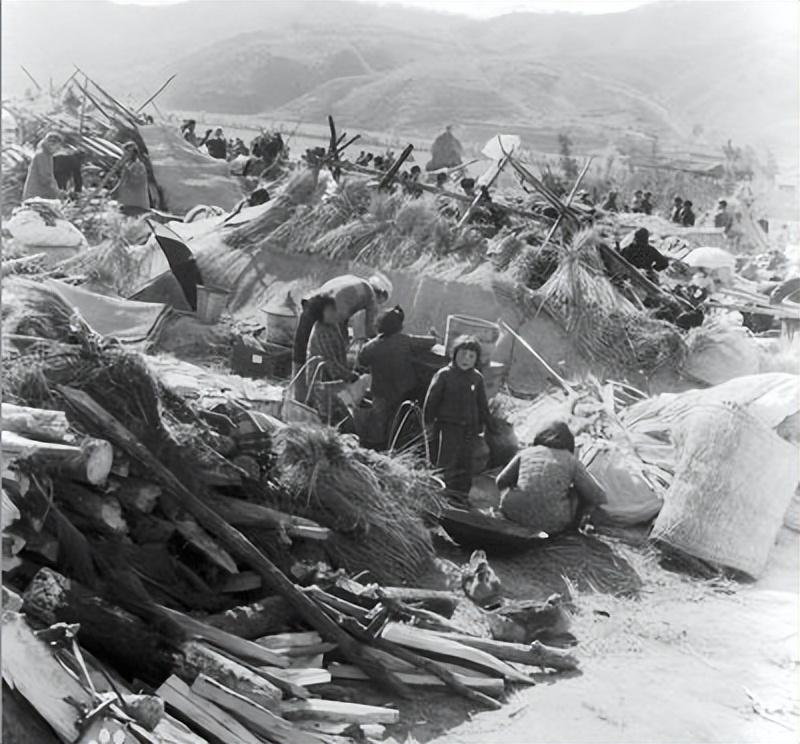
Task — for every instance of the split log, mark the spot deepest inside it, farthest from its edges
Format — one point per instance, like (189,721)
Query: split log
(21,723)
(278,641)
(104,512)
(133,646)
(535,654)
(36,423)
(90,462)
(356,652)
(197,537)
(304,677)
(244,581)
(245,514)
(338,712)
(201,713)
(340,605)
(269,615)
(488,685)
(258,718)
(434,643)
(105,728)
(199,658)
(271,674)
(137,495)
(30,668)
(227,642)
(172,731)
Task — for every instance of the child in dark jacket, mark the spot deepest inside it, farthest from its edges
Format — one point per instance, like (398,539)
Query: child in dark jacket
(457,406)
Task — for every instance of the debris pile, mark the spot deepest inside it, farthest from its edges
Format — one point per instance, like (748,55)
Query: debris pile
(137,525)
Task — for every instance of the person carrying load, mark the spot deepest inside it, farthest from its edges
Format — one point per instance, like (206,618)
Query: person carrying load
(353,294)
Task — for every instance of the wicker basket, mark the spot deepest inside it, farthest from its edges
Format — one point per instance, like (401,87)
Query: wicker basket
(733,483)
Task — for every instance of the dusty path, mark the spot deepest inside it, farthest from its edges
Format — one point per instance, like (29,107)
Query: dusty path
(675,666)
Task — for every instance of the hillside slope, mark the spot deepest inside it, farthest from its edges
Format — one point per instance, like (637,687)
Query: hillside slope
(663,70)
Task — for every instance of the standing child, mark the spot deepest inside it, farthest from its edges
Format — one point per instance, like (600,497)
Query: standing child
(457,406)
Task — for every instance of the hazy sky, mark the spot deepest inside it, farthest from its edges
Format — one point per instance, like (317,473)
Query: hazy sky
(483,8)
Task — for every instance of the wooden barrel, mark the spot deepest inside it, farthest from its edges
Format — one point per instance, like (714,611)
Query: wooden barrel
(486,332)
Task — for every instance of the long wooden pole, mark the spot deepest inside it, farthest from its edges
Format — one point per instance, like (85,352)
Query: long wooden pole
(32,78)
(465,218)
(233,540)
(157,93)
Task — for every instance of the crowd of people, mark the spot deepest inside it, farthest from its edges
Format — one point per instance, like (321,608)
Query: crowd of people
(266,147)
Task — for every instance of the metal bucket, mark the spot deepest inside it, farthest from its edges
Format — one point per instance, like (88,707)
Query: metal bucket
(459,325)
(282,319)
(211,301)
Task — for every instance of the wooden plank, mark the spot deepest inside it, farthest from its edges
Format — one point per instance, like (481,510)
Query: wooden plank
(242,513)
(430,642)
(535,654)
(255,716)
(489,685)
(226,641)
(203,713)
(303,676)
(289,640)
(30,668)
(337,711)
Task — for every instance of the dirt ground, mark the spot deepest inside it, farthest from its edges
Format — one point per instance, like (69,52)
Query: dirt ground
(689,661)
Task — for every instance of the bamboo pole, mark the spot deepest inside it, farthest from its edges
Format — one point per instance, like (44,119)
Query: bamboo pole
(32,78)
(557,377)
(465,218)
(153,97)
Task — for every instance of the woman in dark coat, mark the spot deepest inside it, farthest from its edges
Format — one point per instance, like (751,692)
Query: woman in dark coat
(388,357)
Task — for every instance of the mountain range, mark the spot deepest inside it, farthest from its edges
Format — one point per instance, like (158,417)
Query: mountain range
(681,72)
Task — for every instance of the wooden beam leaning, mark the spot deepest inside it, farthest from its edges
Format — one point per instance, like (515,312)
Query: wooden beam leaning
(358,653)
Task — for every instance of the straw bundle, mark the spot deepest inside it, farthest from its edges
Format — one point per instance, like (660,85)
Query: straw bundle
(579,284)
(33,309)
(375,503)
(302,189)
(628,340)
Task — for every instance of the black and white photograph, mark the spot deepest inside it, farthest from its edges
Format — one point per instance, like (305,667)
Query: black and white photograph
(400,371)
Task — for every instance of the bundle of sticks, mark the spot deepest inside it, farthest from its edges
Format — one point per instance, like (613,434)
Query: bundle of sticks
(119,650)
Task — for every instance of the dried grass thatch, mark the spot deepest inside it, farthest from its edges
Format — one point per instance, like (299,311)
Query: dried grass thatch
(375,503)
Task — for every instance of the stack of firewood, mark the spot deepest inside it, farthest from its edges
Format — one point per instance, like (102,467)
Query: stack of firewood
(100,631)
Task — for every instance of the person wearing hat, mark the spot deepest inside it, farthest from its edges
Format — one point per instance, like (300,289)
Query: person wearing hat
(388,357)
(644,256)
(723,218)
(353,295)
(687,215)
(41,180)
(131,191)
